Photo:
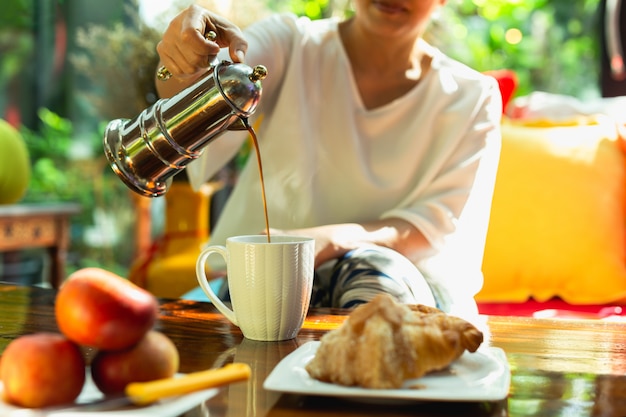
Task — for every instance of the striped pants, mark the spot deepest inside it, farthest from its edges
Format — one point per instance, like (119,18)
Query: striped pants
(361,274)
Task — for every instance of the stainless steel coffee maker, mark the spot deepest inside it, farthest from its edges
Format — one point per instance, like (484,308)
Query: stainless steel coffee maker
(147,151)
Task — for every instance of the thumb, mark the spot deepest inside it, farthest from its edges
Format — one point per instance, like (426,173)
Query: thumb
(237,50)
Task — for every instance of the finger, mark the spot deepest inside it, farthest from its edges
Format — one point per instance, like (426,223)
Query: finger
(182,59)
(169,58)
(197,51)
(237,46)
(192,59)
(229,35)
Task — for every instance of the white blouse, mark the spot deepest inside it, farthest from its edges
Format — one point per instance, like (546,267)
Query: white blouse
(429,157)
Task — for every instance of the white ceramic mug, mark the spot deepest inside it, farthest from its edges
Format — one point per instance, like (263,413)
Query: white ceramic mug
(270,283)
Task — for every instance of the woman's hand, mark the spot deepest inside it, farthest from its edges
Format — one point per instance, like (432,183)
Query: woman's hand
(326,248)
(185,51)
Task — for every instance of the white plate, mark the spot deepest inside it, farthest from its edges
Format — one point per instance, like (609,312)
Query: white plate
(173,406)
(480,376)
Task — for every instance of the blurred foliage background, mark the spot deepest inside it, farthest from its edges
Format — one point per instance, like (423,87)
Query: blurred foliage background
(67,67)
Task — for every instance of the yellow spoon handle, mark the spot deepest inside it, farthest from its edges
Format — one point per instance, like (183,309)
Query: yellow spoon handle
(142,393)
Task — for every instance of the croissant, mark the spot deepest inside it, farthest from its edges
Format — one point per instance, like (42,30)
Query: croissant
(383,343)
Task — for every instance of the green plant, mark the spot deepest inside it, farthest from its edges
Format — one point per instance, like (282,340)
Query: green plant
(16,47)
(60,173)
(551,45)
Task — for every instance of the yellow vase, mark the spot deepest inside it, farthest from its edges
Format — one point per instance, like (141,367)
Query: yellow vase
(168,268)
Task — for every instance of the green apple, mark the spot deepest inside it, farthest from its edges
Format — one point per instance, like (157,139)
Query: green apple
(14,164)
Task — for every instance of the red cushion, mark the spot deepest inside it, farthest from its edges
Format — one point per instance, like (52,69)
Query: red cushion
(507,81)
(554,308)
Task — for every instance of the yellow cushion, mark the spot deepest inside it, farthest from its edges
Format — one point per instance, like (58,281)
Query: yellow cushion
(557,221)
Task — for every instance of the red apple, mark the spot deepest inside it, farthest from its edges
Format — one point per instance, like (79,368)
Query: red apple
(98,308)
(154,357)
(42,369)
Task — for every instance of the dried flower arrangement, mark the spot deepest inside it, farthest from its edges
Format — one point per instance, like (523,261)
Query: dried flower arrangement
(119,62)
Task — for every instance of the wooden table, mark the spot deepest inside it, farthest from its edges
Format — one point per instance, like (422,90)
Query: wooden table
(26,226)
(559,368)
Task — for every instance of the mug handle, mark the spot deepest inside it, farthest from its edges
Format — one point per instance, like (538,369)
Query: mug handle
(204,283)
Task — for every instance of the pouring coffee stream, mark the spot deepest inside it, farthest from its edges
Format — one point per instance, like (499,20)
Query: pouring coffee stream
(147,151)
(260,165)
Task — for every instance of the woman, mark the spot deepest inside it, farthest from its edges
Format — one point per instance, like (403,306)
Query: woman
(373,142)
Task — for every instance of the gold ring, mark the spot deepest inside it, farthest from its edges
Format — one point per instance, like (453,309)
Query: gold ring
(164,74)
(210,36)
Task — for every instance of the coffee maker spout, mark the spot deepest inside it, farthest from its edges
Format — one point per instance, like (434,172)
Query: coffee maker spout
(240,124)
